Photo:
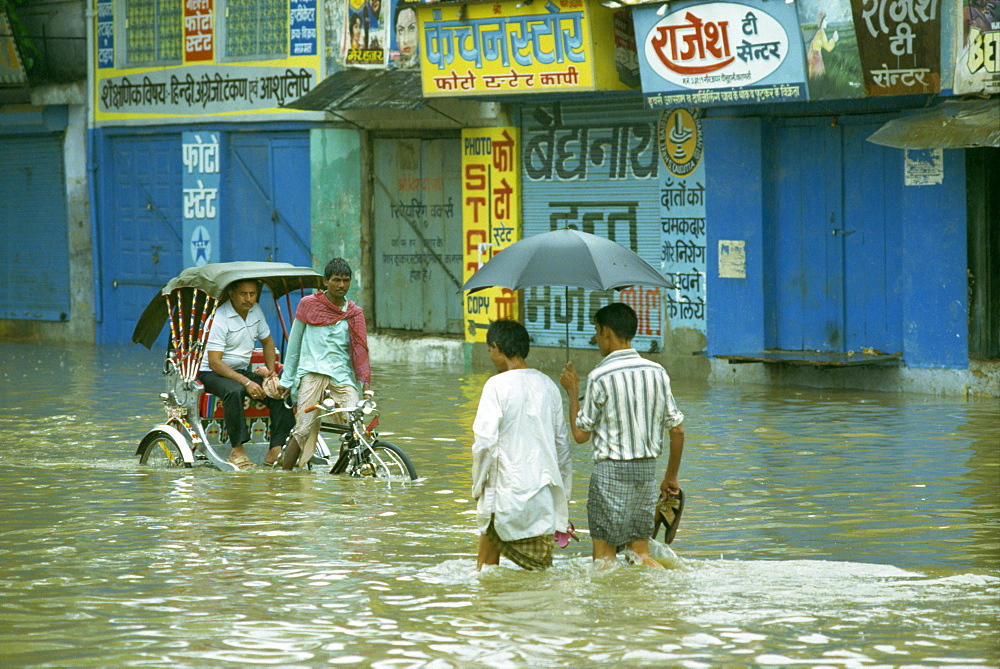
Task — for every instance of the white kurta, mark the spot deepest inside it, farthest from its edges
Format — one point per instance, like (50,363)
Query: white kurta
(522,470)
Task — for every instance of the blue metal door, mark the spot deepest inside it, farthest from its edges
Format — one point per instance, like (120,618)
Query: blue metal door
(872,238)
(832,202)
(268,200)
(139,231)
(267,215)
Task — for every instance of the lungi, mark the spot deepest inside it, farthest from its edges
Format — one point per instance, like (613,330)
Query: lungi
(533,553)
(312,389)
(621,500)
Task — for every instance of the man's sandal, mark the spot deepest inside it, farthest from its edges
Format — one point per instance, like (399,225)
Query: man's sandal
(242,462)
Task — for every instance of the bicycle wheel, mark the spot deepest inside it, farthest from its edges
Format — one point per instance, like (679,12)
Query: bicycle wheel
(391,464)
(158,449)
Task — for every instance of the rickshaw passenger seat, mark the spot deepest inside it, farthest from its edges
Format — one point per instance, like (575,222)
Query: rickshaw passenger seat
(210,407)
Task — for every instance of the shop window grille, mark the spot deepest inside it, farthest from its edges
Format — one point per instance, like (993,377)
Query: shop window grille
(153,31)
(256,28)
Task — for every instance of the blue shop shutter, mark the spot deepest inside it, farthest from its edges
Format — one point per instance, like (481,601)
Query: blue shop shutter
(34,255)
(593,166)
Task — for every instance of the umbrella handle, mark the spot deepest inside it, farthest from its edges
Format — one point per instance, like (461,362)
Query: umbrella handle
(566,305)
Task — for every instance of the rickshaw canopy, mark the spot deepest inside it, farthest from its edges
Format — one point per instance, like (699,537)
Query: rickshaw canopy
(213,279)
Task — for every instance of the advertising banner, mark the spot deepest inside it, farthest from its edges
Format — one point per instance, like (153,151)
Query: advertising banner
(900,45)
(366,32)
(404,42)
(200,210)
(682,218)
(199,37)
(203,80)
(105,34)
(977,62)
(833,63)
(302,28)
(491,218)
(720,53)
(514,48)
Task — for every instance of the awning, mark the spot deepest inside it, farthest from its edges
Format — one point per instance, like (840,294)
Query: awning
(356,89)
(955,124)
(815,358)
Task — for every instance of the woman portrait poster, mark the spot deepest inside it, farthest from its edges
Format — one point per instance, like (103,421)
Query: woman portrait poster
(404,45)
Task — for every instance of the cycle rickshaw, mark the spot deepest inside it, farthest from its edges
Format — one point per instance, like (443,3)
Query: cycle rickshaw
(194,430)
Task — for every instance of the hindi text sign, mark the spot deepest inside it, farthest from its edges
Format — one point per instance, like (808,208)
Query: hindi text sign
(719,53)
(491,219)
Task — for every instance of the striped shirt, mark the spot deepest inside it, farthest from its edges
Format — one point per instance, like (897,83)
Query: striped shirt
(627,405)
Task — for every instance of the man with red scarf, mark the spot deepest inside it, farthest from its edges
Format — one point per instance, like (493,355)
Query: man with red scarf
(327,350)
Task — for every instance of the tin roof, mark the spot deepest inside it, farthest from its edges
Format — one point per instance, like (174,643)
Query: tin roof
(364,89)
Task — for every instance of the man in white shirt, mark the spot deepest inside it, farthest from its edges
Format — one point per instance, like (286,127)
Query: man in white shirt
(626,407)
(225,370)
(522,473)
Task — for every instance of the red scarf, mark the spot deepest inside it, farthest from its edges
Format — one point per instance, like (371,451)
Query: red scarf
(318,310)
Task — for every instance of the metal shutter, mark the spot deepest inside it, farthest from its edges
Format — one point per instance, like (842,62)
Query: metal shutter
(34,256)
(592,166)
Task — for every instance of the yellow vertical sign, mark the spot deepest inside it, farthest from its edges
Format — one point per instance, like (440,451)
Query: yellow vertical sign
(491,219)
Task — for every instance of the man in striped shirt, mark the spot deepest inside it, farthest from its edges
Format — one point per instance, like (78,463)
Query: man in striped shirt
(627,405)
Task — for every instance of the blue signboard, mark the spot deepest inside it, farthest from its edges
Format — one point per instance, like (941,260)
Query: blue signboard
(105,33)
(302,29)
(200,207)
(720,53)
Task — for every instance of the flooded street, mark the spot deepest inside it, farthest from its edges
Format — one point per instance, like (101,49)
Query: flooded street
(832,528)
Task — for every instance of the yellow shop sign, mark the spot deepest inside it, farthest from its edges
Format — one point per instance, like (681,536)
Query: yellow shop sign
(518,48)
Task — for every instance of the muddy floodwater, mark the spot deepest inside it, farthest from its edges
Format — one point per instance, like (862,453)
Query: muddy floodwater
(822,528)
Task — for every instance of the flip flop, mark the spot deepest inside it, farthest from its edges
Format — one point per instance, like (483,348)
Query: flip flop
(272,463)
(242,462)
(668,514)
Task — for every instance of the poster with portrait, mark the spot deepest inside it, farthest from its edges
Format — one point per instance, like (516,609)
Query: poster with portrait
(977,61)
(366,34)
(404,40)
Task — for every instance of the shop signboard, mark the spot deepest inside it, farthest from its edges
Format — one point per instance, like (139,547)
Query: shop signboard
(201,171)
(516,48)
(977,62)
(719,53)
(491,219)
(683,234)
(201,76)
(900,45)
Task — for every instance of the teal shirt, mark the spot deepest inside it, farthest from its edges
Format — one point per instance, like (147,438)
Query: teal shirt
(321,349)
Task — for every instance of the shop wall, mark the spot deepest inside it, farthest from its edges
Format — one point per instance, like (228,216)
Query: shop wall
(734,208)
(45,222)
(919,307)
(261,203)
(335,162)
(935,267)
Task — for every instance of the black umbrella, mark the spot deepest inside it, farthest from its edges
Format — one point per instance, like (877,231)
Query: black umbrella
(566,257)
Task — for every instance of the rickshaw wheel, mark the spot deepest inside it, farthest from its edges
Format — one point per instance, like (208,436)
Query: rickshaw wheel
(397,465)
(158,449)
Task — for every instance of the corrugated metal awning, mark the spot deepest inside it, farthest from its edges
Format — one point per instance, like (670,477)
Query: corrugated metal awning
(955,124)
(356,89)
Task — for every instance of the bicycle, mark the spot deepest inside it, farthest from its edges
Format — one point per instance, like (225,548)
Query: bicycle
(361,453)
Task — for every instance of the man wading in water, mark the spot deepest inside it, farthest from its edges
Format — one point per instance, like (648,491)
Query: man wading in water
(626,407)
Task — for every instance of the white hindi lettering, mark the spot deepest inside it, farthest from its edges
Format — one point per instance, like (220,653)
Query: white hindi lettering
(201,158)
(199,202)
